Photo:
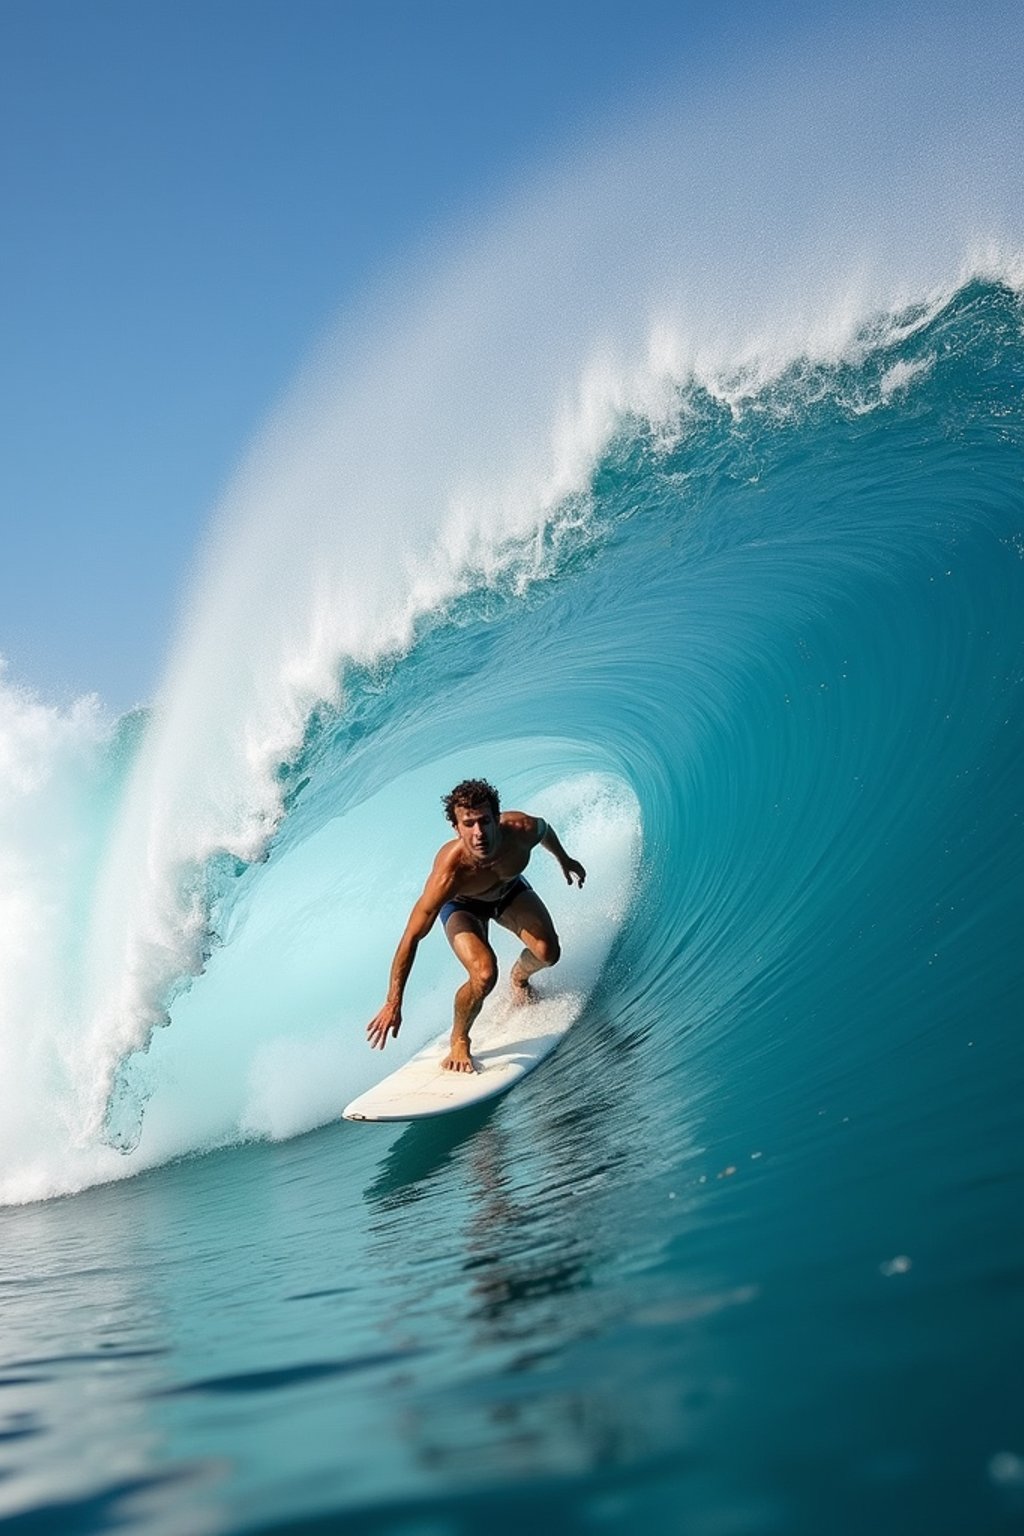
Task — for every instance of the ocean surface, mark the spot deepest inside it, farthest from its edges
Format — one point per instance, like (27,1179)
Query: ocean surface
(746,1255)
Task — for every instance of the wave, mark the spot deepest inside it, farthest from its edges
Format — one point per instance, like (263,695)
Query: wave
(774,642)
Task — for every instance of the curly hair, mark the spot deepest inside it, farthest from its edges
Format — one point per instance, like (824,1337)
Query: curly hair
(472,795)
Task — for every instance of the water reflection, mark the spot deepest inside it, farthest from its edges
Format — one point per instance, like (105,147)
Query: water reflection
(497,1226)
(81,1349)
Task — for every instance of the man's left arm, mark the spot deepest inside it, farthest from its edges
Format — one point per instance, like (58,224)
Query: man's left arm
(547,838)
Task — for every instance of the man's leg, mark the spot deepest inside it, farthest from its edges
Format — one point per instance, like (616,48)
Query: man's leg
(530,920)
(467,937)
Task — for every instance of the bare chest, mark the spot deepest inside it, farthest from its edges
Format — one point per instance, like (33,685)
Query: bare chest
(491,882)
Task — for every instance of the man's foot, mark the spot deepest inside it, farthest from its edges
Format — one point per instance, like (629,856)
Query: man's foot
(522,992)
(458,1058)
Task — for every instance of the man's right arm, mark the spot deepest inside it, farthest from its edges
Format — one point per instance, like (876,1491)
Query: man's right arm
(437,891)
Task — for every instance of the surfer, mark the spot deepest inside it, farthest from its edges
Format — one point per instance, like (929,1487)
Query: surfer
(477,878)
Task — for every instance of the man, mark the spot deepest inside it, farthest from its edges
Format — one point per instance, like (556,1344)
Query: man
(477,878)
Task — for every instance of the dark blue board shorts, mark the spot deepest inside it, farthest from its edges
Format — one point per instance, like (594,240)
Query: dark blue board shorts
(485,911)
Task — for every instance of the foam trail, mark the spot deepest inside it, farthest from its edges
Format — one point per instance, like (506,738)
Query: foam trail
(447,426)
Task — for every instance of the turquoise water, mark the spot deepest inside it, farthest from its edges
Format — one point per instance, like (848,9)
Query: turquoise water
(746,1254)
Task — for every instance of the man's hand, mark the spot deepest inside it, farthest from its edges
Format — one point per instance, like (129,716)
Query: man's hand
(387,1022)
(573,867)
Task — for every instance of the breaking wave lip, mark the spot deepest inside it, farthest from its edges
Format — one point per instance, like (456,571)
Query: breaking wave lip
(882,376)
(176,889)
(867,377)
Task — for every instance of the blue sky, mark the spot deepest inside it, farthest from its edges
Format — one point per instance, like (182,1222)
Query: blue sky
(189,190)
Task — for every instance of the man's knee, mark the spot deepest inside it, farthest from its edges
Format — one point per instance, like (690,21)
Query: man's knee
(548,951)
(483,974)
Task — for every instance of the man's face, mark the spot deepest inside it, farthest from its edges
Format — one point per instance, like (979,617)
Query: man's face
(478,830)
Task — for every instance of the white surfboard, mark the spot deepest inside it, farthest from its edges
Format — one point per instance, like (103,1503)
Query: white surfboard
(505,1044)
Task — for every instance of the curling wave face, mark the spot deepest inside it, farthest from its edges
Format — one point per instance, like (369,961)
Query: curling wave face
(775,645)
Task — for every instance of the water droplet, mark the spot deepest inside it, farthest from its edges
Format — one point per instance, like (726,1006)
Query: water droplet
(1006,1470)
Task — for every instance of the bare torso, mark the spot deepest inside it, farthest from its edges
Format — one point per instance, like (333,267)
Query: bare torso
(489,879)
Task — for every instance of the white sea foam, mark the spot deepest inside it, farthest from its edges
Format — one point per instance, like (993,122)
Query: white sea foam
(53,762)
